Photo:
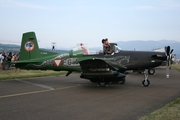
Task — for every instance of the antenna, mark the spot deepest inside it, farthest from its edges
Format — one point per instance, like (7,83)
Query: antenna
(53,45)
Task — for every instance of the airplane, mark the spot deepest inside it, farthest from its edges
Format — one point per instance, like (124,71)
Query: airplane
(101,67)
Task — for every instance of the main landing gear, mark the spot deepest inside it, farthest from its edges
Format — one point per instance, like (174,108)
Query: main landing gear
(145,82)
(103,84)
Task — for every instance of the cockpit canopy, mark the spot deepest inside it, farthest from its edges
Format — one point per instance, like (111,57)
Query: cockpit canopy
(113,49)
(86,50)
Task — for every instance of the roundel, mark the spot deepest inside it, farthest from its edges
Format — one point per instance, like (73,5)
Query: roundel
(29,46)
(57,62)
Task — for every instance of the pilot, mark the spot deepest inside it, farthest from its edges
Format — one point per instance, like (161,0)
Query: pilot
(106,45)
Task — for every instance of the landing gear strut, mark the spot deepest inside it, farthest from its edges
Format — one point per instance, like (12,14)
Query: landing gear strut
(145,82)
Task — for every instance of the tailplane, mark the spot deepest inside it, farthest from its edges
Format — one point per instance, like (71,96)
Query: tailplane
(29,47)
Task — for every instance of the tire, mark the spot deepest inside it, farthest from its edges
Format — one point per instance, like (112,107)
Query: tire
(151,71)
(102,83)
(122,81)
(145,84)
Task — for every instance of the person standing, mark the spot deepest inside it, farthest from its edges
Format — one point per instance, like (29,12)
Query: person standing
(1,60)
(9,58)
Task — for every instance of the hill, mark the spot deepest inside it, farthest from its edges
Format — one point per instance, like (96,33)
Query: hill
(150,45)
(16,48)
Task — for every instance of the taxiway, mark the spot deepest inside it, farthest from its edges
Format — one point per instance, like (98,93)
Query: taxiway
(72,98)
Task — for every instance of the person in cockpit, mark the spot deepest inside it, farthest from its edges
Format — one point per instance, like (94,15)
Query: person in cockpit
(106,45)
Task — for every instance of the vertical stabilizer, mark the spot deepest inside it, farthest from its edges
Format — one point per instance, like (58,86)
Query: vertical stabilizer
(29,47)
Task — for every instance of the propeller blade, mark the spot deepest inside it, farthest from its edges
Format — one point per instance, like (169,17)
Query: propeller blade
(167,70)
(165,48)
(167,67)
(168,50)
(171,51)
(169,63)
(169,58)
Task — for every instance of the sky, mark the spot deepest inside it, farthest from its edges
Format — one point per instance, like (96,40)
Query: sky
(69,22)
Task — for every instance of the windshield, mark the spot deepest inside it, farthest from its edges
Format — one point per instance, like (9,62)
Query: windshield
(117,49)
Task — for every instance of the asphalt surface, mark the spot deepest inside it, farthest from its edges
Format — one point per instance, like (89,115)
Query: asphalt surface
(72,98)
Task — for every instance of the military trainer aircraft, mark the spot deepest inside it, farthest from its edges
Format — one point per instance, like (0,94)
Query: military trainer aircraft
(102,67)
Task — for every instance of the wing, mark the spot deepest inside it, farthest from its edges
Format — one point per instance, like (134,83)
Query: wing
(95,65)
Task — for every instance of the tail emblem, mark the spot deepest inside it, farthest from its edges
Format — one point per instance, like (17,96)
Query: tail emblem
(29,46)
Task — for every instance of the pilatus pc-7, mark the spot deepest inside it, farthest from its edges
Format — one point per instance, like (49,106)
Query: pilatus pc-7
(100,67)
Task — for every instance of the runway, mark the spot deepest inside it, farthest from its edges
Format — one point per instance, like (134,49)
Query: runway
(73,98)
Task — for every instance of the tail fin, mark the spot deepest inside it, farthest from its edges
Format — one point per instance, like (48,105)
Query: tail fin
(29,47)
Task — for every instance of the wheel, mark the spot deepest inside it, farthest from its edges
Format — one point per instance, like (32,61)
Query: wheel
(151,71)
(92,80)
(146,83)
(122,81)
(102,83)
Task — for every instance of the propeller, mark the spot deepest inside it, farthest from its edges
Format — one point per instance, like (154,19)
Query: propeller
(169,58)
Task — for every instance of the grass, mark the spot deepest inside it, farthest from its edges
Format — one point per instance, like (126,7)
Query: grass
(176,66)
(169,112)
(12,74)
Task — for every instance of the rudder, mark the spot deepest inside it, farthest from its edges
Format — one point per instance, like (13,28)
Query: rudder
(29,46)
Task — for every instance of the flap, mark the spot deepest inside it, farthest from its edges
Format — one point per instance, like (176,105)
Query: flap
(95,65)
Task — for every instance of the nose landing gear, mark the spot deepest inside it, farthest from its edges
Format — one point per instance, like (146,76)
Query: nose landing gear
(145,82)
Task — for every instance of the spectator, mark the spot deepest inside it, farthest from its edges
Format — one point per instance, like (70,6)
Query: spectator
(1,60)
(9,58)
